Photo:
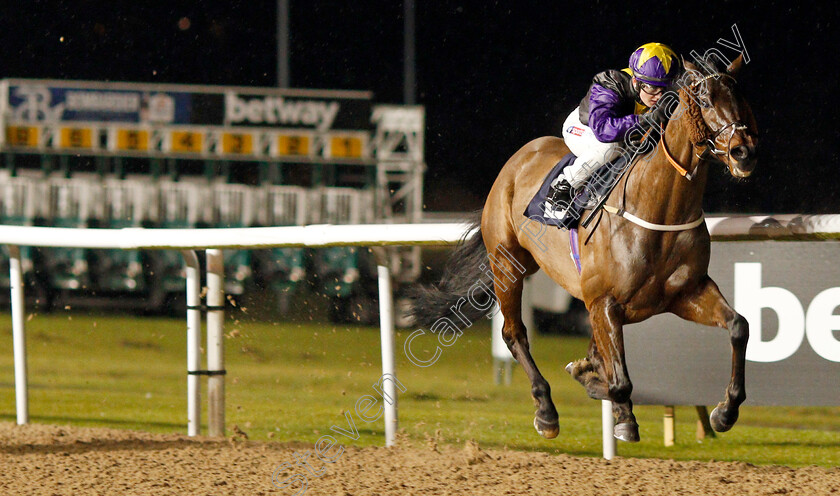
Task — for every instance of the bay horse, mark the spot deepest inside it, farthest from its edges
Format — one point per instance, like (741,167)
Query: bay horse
(630,271)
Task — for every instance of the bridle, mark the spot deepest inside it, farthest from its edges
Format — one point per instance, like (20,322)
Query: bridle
(710,142)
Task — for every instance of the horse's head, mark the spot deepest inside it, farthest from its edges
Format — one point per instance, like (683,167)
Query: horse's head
(728,125)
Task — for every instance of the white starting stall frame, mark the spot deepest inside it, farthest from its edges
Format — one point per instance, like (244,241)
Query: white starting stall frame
(128,202)
(282,206)
(214,240)
(181,203)
(18,199)
(335,205)
(233,205)
(19,205)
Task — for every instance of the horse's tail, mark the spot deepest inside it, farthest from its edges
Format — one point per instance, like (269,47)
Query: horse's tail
(463,270)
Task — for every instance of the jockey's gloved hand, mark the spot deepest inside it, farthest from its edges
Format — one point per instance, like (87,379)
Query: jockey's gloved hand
(657,115)
(635,138)
(644,136)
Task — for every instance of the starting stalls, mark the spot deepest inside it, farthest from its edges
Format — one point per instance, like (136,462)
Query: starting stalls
(124,155)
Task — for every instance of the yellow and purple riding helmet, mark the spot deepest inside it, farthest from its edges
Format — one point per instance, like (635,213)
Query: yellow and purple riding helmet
(655,64)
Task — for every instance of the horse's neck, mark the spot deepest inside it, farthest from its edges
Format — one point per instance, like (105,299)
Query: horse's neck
(656,192)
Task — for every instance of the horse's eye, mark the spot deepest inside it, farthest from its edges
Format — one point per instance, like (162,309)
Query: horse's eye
(705,103)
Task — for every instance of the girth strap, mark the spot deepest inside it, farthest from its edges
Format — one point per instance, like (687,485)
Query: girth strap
(654,227)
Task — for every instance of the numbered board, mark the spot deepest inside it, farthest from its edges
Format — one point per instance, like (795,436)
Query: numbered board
(26,136)
(237,143)
(351,146)
(134,140)
(75,137)
(208,141)
(294,145)
(186,141)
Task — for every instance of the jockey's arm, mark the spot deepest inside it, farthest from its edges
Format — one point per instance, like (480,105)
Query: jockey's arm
(604,119)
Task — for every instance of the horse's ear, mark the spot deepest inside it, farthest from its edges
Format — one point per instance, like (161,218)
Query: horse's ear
(690,72)
(736,65)
(690,66)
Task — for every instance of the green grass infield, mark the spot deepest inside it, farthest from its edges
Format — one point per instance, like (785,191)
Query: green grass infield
(294,381)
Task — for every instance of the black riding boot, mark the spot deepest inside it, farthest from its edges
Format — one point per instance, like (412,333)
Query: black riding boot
(560,197)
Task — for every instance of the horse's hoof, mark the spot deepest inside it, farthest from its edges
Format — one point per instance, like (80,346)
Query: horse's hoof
(719,423)
(569,367)
(546,429)
(627,432)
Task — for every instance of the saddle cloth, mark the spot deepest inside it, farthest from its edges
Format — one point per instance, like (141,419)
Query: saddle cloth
(596,186)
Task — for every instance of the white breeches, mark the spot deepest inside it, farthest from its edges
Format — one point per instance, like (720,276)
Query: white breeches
(590,152)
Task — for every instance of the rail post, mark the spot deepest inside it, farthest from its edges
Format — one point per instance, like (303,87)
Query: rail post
(386,329)
(193,342)
(607,426)
(215,343)
(502,357)
(19,336)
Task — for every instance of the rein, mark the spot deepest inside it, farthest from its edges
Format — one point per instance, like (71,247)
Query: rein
(671,160)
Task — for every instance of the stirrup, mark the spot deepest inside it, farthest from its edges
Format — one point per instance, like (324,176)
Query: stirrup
(559,200)
(561,191)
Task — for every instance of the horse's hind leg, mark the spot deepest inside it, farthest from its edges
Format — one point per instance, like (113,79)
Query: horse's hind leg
(604,372)
(707,306)
(585,371)
(509,294)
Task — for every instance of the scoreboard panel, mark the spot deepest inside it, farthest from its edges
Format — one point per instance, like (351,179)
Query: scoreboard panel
(209,141)
(161,120)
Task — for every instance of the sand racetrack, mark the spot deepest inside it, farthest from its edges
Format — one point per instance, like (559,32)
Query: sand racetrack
(53,460)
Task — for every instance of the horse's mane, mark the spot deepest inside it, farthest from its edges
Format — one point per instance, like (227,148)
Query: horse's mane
(698,130)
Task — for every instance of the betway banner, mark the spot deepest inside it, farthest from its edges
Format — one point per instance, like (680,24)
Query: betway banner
(789,292)
(319,114)
(58,102)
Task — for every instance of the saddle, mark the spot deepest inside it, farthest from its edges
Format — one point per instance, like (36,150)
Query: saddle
(586,197)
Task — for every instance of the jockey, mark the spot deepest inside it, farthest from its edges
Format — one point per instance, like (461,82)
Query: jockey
(595,130)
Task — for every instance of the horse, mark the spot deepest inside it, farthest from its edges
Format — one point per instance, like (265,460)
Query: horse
(648,254)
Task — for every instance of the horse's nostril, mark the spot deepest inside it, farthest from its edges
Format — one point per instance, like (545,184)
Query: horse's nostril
(741,152)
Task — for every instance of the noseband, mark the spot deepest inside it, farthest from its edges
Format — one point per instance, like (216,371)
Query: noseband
(710,142)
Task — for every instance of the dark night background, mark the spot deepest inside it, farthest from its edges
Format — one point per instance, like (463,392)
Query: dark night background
(492,75)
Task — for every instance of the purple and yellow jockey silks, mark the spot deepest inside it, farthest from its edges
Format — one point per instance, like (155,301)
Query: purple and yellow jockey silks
(610,106)
(654,63)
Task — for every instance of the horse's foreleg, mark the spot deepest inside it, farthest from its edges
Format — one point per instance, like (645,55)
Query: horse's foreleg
(606,354)
(516,338)
(706,305)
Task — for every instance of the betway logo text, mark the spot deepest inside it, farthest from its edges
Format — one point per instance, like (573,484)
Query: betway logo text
(278,110)
(818,322)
